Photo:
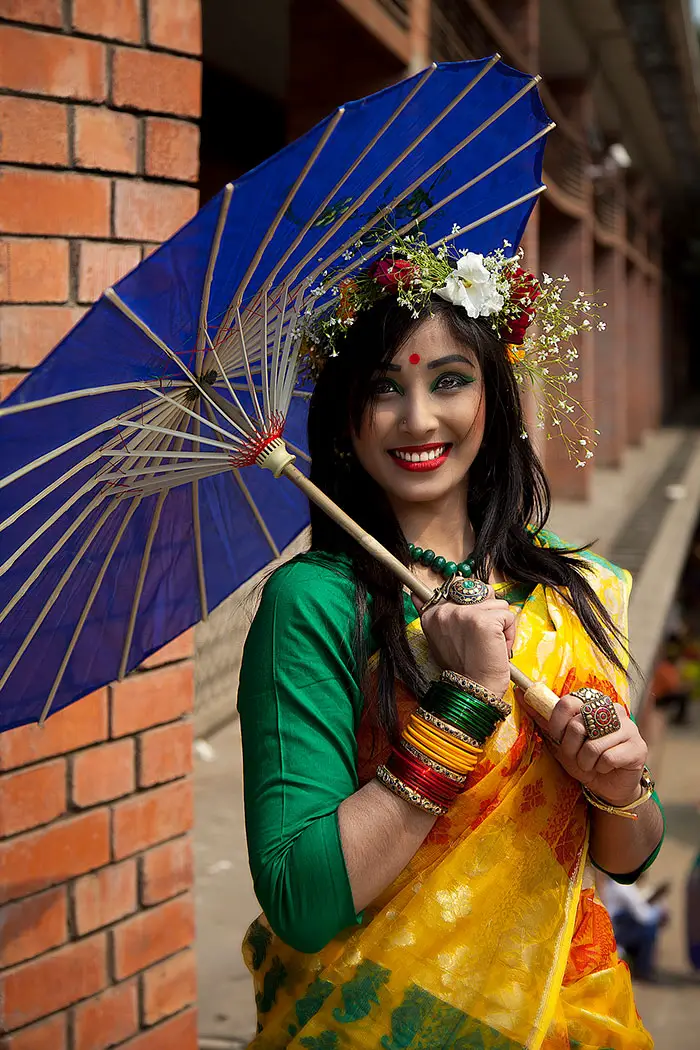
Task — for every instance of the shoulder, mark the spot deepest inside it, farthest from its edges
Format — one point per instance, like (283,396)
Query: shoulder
(314,577)
(600,567)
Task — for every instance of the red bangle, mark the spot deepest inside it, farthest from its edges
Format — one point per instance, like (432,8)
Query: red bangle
(437,788)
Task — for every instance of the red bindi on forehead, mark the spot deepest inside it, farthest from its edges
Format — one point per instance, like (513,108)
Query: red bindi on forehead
(414,359)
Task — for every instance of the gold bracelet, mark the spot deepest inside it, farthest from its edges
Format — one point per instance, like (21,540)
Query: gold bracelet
(408,794)
(477,691)
(647,785)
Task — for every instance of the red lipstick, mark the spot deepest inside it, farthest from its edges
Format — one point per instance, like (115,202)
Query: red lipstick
(403,456)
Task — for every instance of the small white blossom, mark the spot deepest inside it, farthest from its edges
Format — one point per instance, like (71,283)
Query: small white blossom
(472,287)
(601,326)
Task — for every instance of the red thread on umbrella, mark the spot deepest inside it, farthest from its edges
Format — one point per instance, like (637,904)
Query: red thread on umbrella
(251,449)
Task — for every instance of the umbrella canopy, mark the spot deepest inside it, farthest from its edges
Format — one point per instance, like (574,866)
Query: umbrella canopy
(125,511)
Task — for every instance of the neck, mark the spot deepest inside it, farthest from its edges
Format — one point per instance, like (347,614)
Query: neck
(442,526)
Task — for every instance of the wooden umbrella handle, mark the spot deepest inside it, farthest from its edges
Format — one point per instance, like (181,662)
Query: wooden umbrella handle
(537,695)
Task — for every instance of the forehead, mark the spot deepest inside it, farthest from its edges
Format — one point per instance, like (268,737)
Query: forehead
(430,341)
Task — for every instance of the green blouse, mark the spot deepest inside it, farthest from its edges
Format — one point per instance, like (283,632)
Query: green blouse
(300,703)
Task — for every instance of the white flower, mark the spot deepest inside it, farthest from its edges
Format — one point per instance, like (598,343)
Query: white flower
(546,279)
(580,463)
(601,326)
(472,287)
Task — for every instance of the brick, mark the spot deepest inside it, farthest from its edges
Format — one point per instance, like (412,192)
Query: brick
(103,773)
(28,333)
(165,753)
(57,203)
(152,935)
(33,131)
(167,870)
(40,12)
(83,723)
(149,211)
(34,270)
(156,83)
(179,1032)
(172,149)
(104,897)
(116,19)
(147,699)
(31,797)
(53,982)
(176,25)
(39,859)
(105,139)
(169,986)
(33,926)
(8,383)
(47,1035)
(52,64)
(102,265)
(152,817)
(108,1019)
(181,648)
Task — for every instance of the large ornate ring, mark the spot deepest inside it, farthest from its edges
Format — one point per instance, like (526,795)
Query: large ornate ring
(464,591)
(598,712)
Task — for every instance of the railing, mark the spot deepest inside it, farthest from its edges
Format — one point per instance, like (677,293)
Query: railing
(457,34)
(398,10)
(566,161)
(608,208)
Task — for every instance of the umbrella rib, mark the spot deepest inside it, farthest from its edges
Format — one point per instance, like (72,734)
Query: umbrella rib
(492,215)
(53,597)
(272,229)
(355,164)
(471,137)
(119,303)
(72,395)
(87,607)
(166,468)
(246,365)
(143,568)
(149,488)
(300,452)
(198,552)
(384,175)
(214,457)
(195,415)
(213,256)
(256,513)
(230,389)
(176,433)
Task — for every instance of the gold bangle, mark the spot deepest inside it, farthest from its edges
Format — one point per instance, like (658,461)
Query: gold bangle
(415,752)
(477,691)
(648,787)
(408,794)
(446,727)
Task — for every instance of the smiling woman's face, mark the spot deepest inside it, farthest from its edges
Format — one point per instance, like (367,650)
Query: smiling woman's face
(422,433)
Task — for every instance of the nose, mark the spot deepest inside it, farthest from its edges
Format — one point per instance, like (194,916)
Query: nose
(418,418)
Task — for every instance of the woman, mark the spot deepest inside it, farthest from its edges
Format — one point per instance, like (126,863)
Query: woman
(385,924)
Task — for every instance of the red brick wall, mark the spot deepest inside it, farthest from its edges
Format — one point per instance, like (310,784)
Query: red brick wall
(99,147)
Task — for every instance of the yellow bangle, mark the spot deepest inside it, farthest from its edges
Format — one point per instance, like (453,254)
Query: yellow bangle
(446,754)
(433,730)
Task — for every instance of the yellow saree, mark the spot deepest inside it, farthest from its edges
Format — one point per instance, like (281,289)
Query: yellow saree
(492,938)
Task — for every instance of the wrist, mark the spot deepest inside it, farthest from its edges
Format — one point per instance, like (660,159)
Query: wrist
(625,800)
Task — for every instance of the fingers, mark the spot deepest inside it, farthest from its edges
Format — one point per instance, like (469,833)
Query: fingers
(625,755)
(592,751)
(567,709)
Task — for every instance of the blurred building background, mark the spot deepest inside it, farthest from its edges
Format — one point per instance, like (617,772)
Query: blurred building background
(116,118)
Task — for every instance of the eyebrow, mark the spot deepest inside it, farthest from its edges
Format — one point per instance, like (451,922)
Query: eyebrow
(451,359)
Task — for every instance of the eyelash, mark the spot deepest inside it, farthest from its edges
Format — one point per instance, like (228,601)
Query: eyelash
(394,388)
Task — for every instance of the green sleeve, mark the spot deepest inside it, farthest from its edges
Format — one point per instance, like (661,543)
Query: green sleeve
(629,877)
(299,702)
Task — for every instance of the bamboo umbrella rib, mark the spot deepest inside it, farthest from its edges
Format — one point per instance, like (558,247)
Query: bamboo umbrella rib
(173,468)
(346,175)
(473,135)
(72,395)
(195,415)
(143,569)
(492,215)
(198,550)
(331,232)
(119,303)
(291,354)
(213,256)
(109,424)
(46,609)
(75,524)
(214,457)
(272,229)
(256,513)
(175,433)
(171,481)
(300,452)
(234,396)
(246,365)
(87,607)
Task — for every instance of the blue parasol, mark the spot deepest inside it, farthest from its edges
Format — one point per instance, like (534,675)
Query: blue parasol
(128,509)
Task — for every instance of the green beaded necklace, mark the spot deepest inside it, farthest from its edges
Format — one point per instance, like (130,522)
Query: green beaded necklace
(439,564)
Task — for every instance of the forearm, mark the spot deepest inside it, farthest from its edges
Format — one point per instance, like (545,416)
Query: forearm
(619,845)
(379,833)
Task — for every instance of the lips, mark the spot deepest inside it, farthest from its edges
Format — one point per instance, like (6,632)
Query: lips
(420,458)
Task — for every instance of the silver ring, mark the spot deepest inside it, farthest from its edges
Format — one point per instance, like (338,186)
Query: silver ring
(464,591)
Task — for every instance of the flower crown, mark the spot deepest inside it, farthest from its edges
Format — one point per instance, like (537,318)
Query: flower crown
(495,287)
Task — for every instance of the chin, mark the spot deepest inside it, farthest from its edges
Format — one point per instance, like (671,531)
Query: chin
(422,489)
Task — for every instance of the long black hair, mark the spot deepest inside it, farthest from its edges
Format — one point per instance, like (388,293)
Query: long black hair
(507,492)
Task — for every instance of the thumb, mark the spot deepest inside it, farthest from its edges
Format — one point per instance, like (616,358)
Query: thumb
(418,603)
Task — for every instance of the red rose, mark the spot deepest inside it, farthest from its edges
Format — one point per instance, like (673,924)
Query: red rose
(523,286)
(393,274)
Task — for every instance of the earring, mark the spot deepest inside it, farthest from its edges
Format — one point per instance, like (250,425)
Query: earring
(343,455)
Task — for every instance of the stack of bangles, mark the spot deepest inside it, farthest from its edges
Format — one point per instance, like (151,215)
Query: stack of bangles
(442,743)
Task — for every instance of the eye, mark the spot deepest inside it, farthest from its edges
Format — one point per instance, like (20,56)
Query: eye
(451,381)
(384,385)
